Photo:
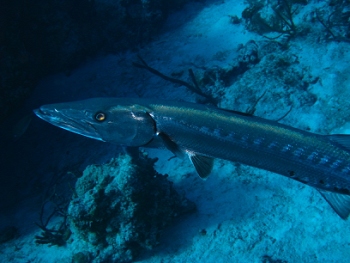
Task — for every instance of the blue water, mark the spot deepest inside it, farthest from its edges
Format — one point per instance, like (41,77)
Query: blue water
(299,63)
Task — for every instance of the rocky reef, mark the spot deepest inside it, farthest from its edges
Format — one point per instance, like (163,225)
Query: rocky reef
(120,208)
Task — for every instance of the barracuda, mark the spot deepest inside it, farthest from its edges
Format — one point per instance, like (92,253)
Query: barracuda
(204,133)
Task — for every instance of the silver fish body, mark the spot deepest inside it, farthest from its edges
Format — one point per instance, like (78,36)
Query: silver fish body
(205,133)
(310,158)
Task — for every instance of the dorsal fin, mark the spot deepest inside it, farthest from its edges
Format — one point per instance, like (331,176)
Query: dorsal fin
(203,164)
(339,202)
(342,140)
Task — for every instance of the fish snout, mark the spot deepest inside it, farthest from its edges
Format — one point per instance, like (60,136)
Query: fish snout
(43,111)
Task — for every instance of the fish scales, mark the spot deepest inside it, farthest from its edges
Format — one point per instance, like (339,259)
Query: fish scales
(275,152)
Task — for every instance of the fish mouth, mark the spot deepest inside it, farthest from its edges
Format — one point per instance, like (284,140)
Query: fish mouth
(70,123)
(47,115)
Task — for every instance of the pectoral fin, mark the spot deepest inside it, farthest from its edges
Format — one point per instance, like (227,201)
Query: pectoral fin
(171,145)
(339,202)
(203,164)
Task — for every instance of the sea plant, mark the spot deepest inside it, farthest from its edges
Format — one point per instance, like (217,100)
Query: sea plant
(335,20)
(276,17)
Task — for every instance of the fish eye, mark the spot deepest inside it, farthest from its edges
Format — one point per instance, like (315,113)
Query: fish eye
(100,116)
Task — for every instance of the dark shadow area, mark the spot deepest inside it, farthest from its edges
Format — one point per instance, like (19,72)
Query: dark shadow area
(45,37)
